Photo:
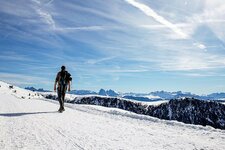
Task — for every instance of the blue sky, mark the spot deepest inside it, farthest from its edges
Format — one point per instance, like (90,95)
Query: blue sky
(125,45)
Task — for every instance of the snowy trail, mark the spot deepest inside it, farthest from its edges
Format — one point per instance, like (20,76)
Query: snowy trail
(35,124)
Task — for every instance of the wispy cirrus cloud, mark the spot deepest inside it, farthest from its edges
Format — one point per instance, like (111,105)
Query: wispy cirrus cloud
(150,12)
(21,79)
(47,18)
(95,61)
(83,28)
(164,22)
(13,56)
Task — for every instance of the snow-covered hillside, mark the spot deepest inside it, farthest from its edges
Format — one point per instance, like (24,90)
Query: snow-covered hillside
(21,93)
(187,110)
(35,124)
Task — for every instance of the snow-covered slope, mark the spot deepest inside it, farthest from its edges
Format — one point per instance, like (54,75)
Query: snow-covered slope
(21,93)
(35,124)
(187,110)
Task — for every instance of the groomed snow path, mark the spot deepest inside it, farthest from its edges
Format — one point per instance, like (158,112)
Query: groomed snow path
(36,124)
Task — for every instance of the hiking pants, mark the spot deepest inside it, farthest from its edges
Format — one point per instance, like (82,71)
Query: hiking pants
(61,95)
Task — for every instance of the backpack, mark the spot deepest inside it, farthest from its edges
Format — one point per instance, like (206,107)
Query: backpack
(64,77)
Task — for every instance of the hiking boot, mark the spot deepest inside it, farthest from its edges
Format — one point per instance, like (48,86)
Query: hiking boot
(63,109)
(60,109)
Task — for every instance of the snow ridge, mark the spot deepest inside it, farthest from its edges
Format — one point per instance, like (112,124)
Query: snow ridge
(187,110)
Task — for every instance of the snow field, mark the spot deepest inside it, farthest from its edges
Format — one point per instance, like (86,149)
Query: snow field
(36,124)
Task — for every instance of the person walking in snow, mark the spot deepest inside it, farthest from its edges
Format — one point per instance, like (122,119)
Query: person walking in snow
(62,81)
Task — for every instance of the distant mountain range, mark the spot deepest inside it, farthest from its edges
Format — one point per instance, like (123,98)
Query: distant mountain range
(36,90)
(152,96)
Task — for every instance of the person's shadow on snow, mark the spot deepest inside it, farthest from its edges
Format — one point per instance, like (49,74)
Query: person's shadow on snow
(25,113)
